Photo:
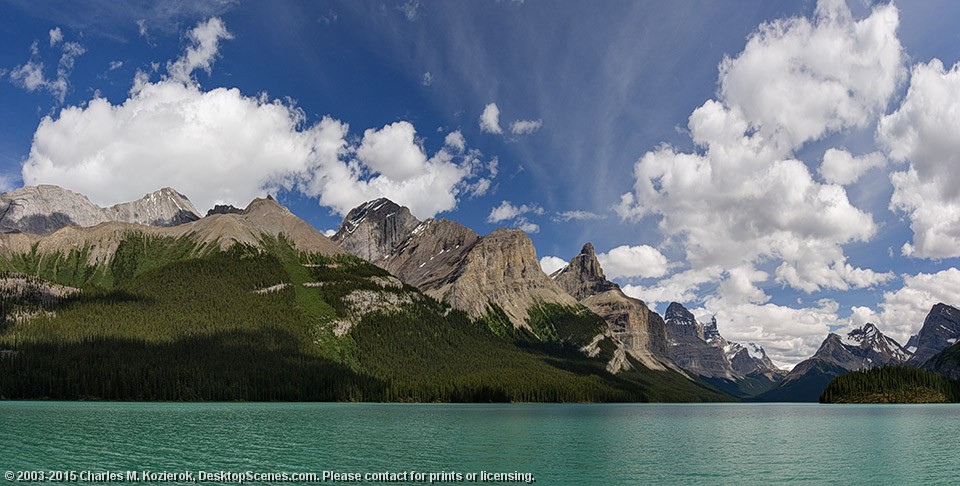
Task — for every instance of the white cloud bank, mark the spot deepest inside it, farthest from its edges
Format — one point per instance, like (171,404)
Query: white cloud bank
(221,147)
(640,261)
(903,310)
(742,199)
(795,81)
(841,167)
(924,132)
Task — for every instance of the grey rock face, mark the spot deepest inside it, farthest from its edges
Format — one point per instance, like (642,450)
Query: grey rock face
(750,358)
(45,208)
(429,255)
(688,348)
(500,268)
(583,277)
(941,329)
(681,323)
(372,230)
(640,332)
(875,346)
(450,262)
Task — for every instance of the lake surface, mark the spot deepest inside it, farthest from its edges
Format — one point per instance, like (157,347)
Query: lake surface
(557,444)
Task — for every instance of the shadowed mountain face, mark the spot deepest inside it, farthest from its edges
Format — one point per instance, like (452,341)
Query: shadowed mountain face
(637,330)
(690,350)
(941,329)
(44,209)
(374,242)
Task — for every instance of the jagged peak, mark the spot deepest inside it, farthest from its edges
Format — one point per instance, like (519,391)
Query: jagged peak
(377,210)
(941,308)
(588,249)
(678,313)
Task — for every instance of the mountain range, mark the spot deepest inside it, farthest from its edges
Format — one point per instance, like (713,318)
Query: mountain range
(478,318)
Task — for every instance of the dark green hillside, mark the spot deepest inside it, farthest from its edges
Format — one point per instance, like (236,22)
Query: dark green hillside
(891,384)
(168,319)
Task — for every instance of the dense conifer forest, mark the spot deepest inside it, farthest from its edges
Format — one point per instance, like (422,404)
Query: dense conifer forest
(891,384)
(170,319)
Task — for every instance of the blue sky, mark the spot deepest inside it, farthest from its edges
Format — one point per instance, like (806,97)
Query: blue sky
(742,158)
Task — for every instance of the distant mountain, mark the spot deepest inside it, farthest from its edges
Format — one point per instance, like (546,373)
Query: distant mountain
(224,209)
(45,208)
(860,349)
(98,244)
(637,331)
(496,277)
(743,370)
(689,349)
(941,329)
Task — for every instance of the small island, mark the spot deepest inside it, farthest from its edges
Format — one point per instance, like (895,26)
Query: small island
(891,384)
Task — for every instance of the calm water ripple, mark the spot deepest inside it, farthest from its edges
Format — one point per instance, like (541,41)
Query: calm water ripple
(560,444)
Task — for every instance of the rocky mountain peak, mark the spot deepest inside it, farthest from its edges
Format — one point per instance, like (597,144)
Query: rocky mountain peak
(373,229)
(46,208)
(583,276)
(710,331)
(941,329)
(678,316)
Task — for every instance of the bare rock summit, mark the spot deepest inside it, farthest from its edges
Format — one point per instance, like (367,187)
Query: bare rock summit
(46,208)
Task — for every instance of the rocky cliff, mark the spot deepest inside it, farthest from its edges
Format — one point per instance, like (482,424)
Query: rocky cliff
(689,349)
(630,323)
(45,208)
(450,262)
(500,268)
(372,230)
(940,330)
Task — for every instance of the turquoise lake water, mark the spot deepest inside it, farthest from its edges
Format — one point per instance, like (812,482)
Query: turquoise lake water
(556,444)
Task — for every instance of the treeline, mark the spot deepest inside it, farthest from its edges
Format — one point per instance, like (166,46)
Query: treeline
(891,384)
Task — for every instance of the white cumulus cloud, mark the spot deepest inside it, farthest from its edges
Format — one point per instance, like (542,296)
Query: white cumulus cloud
(902,311)
(393,151)
(455,141)
(640,261)
(506,210)
(744,199)
(221,147)
(31,77)
(923,132)
(841,167)
(490,119)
